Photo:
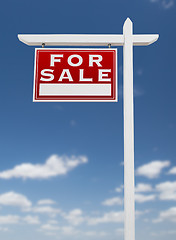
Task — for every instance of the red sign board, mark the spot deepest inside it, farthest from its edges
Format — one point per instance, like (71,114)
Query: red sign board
(75,75)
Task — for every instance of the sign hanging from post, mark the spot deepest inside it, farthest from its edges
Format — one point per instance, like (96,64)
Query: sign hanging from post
(75,75)
(91,75)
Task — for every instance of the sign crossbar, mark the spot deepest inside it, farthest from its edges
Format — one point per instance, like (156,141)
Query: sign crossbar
(85,39)
(127,40)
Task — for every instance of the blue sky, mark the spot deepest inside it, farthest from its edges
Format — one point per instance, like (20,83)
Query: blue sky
(61,171)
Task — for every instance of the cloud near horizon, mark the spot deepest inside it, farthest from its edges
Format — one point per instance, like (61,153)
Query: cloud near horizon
(54,166)
(109,217)
(152,169)
(167,215)
(113,201)
(167,190)
(46,202)
(172,171)
(14,199)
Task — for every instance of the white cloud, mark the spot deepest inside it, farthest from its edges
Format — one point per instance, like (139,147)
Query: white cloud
(113,201)
(140,198)
(119,189)
(46,202)
(31,219)
(9,219)
(167,190)
(49,227)
(168,215)
(109,217)
(140,213)
(14,199)
(172,171)
(44,210)
(54,166)
(15,219)
(69,230)
(74,217)
(166,4)
(53,229)
(152,169)
(143,187)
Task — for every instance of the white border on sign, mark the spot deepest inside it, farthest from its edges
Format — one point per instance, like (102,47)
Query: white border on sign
(102,49)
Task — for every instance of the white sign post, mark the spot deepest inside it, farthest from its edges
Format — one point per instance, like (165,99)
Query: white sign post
(127,40)
(129,189)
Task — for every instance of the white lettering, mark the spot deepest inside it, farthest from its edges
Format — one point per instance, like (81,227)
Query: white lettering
(81,78)
(68,76)
(97,61)
(45,74)
(103,73)
(75,64)
(55,58)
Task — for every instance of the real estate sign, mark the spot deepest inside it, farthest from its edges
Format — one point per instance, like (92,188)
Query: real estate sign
(75,75)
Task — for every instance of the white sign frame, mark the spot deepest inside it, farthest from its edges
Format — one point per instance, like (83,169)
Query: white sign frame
(103,49)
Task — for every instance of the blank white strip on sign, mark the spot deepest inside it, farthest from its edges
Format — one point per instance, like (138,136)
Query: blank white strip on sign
(75,89)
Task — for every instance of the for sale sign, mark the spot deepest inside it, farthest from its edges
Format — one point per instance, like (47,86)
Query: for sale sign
(75,75)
